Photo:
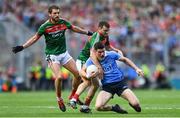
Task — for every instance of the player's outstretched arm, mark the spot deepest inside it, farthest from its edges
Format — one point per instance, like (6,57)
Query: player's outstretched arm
(30,41)
(82,31)
(131,64)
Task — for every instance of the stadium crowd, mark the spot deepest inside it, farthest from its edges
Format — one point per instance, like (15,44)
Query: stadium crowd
(148,26)
(41,78)
(145,22)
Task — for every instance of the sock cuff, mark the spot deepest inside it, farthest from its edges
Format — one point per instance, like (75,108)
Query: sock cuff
(76,96)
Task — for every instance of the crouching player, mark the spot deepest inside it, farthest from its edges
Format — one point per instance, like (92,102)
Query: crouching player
(113,81)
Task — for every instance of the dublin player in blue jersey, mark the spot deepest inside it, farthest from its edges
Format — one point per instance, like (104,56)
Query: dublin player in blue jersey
(113,81)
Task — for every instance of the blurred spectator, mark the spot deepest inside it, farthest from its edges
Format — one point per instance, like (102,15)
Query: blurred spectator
(1,80)
(34,76)
(161,77)
(11,80)
(145,21)
(147,76)
(8,80)
(132,78)
(49,79)
(67,77)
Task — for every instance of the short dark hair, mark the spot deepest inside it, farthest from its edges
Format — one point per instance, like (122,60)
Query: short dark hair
(98,45)
(103,23)
(52,7)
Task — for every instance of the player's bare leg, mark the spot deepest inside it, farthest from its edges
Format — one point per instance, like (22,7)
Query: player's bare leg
(57,74)
(101,103)
(71,66)
(79,91)
(132,99)
(92,90)
(83,86)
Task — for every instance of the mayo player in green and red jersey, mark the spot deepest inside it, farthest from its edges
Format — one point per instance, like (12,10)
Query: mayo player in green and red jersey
(54,32)
(100,35)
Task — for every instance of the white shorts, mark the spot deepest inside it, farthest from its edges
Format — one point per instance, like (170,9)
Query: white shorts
(79,64)
(60,59)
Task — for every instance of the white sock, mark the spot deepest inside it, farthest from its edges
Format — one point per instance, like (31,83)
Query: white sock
(73,99)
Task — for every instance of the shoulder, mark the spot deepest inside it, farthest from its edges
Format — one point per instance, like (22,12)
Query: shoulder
(112,54)
(63,20)
(95,34)
(46,23)
(43,26)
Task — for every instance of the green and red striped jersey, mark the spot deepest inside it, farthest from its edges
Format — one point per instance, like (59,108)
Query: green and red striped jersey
(54,36)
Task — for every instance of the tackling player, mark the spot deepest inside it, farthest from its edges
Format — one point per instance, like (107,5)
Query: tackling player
(113,81)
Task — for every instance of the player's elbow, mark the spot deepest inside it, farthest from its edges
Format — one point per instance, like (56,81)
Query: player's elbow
(86,83)
(124,59)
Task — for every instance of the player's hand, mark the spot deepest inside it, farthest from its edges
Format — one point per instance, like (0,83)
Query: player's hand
(17,49)
(100,72)
(140,72)
(89,33)
(93,75)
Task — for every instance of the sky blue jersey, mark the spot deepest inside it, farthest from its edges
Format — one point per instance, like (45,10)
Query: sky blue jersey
(111,71)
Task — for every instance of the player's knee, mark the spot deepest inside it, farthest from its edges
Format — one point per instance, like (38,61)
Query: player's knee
(58,77)
(98,107)
(77,79)
(87,83)
(76,74)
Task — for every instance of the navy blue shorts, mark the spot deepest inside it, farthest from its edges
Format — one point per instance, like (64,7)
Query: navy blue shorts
(116,87)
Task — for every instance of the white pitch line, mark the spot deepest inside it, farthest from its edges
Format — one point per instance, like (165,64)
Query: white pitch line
(155,108)
(54,107)
(45,107)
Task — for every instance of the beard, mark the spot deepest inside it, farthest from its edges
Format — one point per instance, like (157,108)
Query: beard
(55,19)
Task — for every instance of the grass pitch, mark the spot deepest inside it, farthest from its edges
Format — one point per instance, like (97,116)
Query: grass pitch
(161,103)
